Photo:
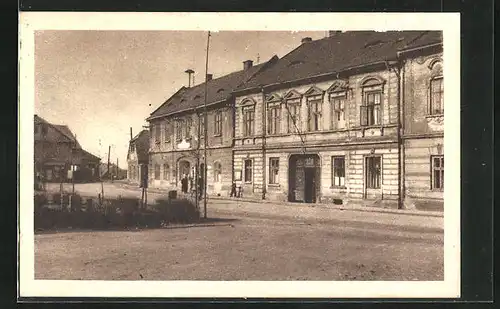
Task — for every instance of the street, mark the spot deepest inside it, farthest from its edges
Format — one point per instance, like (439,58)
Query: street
(250,241)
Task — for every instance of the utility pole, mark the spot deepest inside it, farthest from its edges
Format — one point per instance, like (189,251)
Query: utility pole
(73,146)
(117,169)
(109,162)
(205,135)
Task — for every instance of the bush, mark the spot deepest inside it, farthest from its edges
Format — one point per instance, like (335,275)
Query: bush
(177,210)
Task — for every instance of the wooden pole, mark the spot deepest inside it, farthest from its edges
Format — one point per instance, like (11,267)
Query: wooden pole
(109,152)
(205,135)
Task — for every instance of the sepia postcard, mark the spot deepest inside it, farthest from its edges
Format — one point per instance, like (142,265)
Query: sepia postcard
(239,155)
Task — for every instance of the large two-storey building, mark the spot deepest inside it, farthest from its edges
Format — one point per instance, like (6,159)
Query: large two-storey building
(177,133)
(325,122)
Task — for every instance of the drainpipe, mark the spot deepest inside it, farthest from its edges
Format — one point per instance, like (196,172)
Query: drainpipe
(264,128)
(398,70)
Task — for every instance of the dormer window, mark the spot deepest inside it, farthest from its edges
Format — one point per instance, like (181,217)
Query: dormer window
(220,90)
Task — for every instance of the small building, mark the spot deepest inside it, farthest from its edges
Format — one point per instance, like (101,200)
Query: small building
(58,156)
(138,157)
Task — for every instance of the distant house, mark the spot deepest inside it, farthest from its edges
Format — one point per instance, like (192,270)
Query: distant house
(138,157)
(114,172)
(58,157)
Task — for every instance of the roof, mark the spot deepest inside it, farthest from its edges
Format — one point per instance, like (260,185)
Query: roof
(218,89)
(141,142)
(62,129)
(340,52)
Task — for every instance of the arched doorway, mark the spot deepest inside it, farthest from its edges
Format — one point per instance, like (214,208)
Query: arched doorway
(304,178)
(184,169)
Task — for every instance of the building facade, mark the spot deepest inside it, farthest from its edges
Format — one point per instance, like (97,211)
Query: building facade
(333,133)
(138,157)
(58,156)
(178,134)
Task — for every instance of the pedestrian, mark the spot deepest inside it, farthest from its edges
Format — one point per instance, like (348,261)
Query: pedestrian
(233,190)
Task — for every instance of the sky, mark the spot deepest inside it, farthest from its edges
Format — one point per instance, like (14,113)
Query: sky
(101,83)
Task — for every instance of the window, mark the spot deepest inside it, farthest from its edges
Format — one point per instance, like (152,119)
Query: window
(189,123)
(373,172)
(44,130)
(157,171)
(337,101)
(274,170)
(218,123)
(132,147)
(248,170)
(166,172)
(314,108)
(248,120)
(273,118)
(179,132)
(370,110)
(436,102)
(217,172)
(338,171)
(293,108)
(201,125)
(167,132)
(157,133)
(437,176)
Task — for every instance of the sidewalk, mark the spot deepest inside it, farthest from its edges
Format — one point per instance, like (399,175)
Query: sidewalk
(352,206)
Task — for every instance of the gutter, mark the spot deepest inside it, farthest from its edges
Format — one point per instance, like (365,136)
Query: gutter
(184,110)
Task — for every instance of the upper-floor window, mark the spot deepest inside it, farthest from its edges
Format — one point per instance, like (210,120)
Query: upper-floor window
(201,125)
(370,109)
(218,123)
(273,118)
(314,112)
(274,165)
(248,170)
(436,96)
(293,110)
(337,101)
(179,131)
(248,120)
(188,125)
(157,128)
(167,131)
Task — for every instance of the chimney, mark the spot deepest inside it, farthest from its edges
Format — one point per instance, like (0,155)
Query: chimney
(333,33)
(189,73)
(131,136)
(247,64)
(209,77)
(306,40)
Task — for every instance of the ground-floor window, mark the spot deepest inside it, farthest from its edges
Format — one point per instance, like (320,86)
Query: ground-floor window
(157,171)
(437,175)
(217,172)
(166,172)
(274,164)
(338,171)
(373,172)
(248,170)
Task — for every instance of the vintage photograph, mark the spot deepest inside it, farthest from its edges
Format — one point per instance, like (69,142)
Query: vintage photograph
(239,155)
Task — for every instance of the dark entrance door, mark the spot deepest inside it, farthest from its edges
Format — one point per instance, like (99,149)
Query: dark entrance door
(303,181)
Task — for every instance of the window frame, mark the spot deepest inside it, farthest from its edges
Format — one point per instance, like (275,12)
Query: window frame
(368,170)
(166,172)
(157,171)
(273,119)
(248,125)
(167,132)
(293,126)
(188,124)
(245,168)
(334,169)
(157,133)
(218,123)
(337,98)
(314,116)
(217,172)
(431,96)
(367,106)
(440,169)
(179,129)
(274,178)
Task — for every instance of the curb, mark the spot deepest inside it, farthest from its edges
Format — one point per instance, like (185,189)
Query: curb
(355,207)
